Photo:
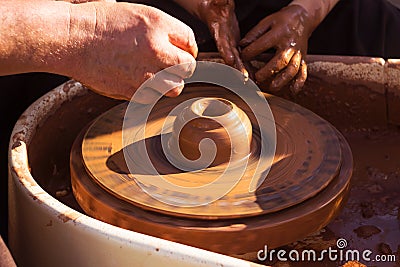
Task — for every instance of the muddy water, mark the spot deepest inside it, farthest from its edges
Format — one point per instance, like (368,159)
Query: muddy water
(370,220)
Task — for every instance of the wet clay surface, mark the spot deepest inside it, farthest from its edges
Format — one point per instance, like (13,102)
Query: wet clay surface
(308,155)
(369,220)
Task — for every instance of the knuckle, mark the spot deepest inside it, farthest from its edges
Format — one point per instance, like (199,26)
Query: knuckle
(187,64)
(285,76)
(292,70)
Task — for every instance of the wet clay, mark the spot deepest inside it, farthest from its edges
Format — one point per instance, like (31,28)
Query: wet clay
(217,119)
(312,167)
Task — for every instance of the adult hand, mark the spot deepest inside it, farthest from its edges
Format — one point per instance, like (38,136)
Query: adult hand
(130,44)
(287,31)
(220,17)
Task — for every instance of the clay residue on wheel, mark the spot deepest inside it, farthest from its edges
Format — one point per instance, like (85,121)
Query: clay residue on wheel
(26,127)
(371,219)
(49,149)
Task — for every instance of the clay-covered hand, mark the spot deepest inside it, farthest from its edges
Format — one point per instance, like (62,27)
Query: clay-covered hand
(129,45)
(221,19)
(287,31)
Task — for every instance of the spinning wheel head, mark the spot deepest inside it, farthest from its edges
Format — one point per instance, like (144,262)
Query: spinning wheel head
(306,185)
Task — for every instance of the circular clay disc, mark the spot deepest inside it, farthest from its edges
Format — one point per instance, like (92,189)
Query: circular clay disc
(308,157)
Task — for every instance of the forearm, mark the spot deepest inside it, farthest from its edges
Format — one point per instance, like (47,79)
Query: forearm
(316,9)
(42,36)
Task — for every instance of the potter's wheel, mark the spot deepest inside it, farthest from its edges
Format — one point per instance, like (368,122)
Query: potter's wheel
(303,191)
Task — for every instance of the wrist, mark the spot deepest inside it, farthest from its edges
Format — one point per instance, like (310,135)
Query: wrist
(316,10)
(80,34)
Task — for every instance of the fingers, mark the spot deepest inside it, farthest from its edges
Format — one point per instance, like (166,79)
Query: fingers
(223,42)
(183,37)
(229,52)
(300,79)
(256,32)
(174,92)
(238,61)
(226,51)
(163,83)
(166,83)
(178,62)
(146,95)
(288,66)
(287,74)
(265,42)
(231,57)
(275,65)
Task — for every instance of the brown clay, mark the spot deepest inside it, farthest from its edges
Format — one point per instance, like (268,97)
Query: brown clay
(217,119)
(312,166)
